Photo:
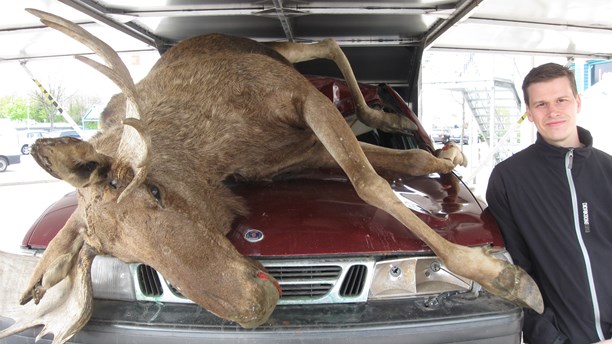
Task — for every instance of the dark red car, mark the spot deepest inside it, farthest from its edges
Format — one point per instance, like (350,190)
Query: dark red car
(350,273)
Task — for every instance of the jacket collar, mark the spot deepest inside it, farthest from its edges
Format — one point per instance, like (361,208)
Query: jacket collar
(584,136)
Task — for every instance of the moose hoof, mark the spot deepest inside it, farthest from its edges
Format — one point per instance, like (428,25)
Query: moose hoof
(514,284)
(36,293)
(452,153)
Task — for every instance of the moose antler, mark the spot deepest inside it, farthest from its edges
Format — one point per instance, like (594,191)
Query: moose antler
(66,308)
(135,140)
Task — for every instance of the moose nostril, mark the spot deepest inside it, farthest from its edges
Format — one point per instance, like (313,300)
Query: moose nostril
(267,278)
(263,276)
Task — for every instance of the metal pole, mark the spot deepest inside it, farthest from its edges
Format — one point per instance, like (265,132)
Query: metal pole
(496,148)
(49,97)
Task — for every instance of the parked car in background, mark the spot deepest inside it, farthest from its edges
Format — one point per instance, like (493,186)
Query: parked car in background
(28,137)
(70,133)
(450,134)
(349,272)
(459,136)
(9,147)
(440,136)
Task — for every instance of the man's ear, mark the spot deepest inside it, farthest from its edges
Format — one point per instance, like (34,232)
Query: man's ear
(72,160)
(579,103)
(529,117)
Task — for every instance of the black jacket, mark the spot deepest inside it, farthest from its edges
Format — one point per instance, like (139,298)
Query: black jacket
(559,229)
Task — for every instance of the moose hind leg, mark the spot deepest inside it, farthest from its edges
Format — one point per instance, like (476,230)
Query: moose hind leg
(497,276)
(329,49)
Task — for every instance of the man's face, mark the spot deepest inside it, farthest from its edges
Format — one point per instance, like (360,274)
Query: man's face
(553,109)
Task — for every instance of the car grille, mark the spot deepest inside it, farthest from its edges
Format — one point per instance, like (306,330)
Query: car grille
(285,275)
(326,281)
(149,281)
(302,281)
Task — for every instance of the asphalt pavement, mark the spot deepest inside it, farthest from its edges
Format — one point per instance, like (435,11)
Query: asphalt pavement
(26,190)
(26,172)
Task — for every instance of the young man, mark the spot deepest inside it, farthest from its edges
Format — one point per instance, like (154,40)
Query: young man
(553,203)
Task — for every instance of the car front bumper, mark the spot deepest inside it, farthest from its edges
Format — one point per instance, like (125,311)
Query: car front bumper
(453,319)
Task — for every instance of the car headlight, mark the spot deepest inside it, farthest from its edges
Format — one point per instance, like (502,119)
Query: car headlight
(112,279)
(416,276)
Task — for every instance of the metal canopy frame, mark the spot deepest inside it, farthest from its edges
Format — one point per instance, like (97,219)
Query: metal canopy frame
(573,28)
(384,40)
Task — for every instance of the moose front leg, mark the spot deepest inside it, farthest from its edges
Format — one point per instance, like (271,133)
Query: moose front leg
(497,276)
(329,49)
(414,162)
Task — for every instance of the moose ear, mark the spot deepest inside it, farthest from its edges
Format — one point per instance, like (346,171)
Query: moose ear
(72,160)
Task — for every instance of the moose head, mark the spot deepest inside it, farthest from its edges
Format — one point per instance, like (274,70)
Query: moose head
(141,200)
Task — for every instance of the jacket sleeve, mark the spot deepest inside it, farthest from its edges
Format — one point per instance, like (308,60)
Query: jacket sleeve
(537,328)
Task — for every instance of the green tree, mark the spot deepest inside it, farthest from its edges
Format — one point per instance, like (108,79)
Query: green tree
(37,112)
(41,101)
(20,109)
(79,104)
(76,104)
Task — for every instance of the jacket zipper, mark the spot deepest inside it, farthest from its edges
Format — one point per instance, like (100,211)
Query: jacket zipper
(569,161)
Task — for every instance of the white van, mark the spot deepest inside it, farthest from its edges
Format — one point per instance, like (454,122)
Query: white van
(28,137)
(9,147)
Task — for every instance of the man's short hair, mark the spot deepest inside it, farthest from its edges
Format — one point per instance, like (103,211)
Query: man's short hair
(547,72)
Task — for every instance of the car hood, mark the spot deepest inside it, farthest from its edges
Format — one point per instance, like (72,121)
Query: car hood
(319,213)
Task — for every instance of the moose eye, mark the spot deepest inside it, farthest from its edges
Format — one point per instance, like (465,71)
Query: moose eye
(154,190)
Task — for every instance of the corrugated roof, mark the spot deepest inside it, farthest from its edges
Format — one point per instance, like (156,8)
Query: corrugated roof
(567,27)
(393,32)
